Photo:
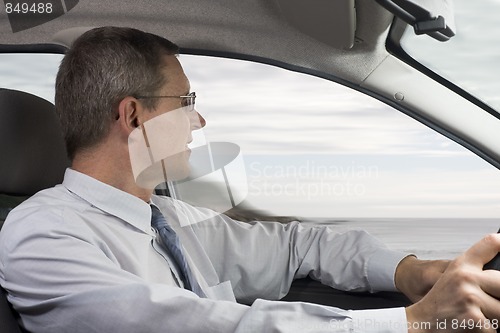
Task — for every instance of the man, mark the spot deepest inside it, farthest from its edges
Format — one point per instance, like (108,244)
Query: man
(87,256)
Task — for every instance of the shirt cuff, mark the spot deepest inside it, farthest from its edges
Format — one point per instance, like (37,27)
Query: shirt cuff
(381,269)
(391,320)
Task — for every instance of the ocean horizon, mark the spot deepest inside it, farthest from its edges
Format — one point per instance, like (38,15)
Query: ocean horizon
(428,238)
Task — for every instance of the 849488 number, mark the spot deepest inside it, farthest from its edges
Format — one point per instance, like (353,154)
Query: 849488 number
(25,8)
(473,325)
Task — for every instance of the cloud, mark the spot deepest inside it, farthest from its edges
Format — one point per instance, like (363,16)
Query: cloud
(299,113)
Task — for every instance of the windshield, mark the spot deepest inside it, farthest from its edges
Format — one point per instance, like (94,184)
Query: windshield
(471,58)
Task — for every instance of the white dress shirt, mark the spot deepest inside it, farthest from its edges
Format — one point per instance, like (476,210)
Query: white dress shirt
(82,257)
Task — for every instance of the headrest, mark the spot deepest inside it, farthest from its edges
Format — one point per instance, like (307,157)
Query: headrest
(32,150)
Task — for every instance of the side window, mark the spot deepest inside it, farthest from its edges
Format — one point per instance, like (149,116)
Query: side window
(33,73)
(328,154)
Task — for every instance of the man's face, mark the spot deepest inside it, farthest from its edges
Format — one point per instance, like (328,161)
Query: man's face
(166,132)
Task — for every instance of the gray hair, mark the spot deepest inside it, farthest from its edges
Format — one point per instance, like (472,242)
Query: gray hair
(102,67)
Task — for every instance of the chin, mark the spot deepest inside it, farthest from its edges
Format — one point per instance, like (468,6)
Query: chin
(174,168)
(177,167)
(179,174)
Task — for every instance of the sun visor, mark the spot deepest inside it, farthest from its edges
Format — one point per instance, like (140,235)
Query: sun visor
(330,22)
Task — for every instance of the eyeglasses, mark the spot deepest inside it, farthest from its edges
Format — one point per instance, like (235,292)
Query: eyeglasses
(187,100)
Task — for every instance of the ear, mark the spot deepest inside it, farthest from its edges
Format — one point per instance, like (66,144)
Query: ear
(129,111)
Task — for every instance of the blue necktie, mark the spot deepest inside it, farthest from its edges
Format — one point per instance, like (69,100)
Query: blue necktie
(172,244)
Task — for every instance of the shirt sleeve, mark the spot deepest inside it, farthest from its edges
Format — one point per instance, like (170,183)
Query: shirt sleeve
(261,259)
(377,321)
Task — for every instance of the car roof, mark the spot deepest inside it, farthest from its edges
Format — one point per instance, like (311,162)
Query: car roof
(254,28)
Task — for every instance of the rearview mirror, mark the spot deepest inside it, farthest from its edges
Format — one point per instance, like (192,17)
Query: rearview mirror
(432,17)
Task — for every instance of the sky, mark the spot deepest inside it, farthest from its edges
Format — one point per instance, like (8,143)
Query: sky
(473,55)
(314,148)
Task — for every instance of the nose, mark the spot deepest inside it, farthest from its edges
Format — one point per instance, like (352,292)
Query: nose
(197,120)
(202,120)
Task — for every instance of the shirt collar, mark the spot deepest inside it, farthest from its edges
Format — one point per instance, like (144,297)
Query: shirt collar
(109,199)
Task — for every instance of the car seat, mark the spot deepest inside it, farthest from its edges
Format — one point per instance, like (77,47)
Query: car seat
(33,158)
